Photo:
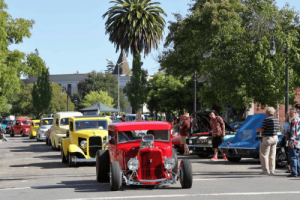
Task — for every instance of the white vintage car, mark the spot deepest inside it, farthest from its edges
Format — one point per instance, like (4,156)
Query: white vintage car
(45,125)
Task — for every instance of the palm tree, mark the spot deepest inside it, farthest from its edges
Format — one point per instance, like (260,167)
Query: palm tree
(135,25)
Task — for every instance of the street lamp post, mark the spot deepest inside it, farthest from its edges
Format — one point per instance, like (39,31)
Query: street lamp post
(118,80)
(65,90)
(286,51)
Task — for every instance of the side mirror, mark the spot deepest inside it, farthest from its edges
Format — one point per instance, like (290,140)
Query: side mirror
(68,133)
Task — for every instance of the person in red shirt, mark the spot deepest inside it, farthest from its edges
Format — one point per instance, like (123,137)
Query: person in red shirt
(123,118)
(184,132)
(217,126)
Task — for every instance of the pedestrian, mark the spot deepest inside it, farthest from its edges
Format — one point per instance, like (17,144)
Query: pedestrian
(297,106)
(174,121)
(2,137)
(269,130)
(138,117)
(184,132)
(294,143)
(123,118)
(217,126)
(284,131)
(194,123)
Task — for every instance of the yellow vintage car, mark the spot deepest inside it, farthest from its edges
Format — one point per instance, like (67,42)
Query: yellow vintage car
(34,125)
(87,135)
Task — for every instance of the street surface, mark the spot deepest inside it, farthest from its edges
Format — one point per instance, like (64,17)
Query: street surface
(32,170)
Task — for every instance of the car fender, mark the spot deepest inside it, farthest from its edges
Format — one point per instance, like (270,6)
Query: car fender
(65,145)
(73,148)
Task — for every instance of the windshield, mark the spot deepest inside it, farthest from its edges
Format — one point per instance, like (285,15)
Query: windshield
(47,121)
(90,124)
(25,122)
(6,122)
(128,136)
(130,118)
(36,124)
(64,121)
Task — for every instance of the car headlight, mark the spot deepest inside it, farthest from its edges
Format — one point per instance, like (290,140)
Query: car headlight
(169,163)
(133,164)
(83,143)
(190,141)
(209,141)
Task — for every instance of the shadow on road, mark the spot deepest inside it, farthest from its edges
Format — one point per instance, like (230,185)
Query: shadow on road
(34,148)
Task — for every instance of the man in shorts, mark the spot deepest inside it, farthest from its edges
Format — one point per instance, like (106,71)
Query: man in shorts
(217,126)
(184,132)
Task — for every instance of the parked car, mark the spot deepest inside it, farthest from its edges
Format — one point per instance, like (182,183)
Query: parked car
(60,127)
(20,127)
(132,117)
(86,137)
(246,142)
(200,142)
(236,125)
(141,153)
(34,125)
(45,125)
(5,123)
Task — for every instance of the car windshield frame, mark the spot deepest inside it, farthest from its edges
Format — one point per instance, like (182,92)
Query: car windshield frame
(27,122)
(91,125)
(136,135)
(50,122)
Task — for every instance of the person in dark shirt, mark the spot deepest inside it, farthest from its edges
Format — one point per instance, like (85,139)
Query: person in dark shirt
(267,154)
(184,132)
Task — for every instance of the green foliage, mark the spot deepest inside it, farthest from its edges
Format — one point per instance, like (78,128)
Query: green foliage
(11,31)
(41,94)
(237,35)
(104,82)
(35,64)
(23,103)
(135,25)
(95,96)
(136,89)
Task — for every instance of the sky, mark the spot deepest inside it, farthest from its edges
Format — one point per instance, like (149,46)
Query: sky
(70,34)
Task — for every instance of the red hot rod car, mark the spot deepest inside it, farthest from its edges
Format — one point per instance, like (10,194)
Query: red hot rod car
(141,153)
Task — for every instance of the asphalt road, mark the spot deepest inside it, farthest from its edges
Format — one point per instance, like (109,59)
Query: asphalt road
(32,170)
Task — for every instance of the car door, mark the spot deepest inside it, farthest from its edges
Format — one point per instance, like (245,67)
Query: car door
(17,127)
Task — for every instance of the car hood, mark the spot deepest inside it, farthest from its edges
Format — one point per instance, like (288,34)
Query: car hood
(246,136)
(45,127)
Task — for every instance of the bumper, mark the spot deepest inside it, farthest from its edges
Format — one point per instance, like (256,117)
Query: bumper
(241,152)
(43,138)
(83,160)
(162,181)
(201,149)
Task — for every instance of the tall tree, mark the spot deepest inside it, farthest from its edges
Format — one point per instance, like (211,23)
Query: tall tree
(136,89)
(135,26)
(101,81)
(12,31)
(35,63)
(110,67)
(41,94)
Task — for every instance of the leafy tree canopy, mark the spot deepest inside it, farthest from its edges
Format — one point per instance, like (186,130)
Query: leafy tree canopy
(35,64)
(12,31)
(228,42)
(104,82)
(95,96)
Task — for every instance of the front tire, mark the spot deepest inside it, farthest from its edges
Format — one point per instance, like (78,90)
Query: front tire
(280,157)
(63,157)
(71,163)
(102,166)
(174,155)
(115,176)
(186,174)
(230,159)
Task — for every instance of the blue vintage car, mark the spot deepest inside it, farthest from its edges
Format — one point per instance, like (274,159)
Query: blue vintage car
(246,142)
(5,123)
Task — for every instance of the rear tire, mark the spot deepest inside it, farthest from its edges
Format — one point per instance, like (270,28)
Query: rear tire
(115,176)
(102,166)
(174,155)
(233,159)
(280,159)
(186,174)
(12,134)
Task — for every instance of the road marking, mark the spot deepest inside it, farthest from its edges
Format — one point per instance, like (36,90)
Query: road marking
(189,195)
(49,186)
